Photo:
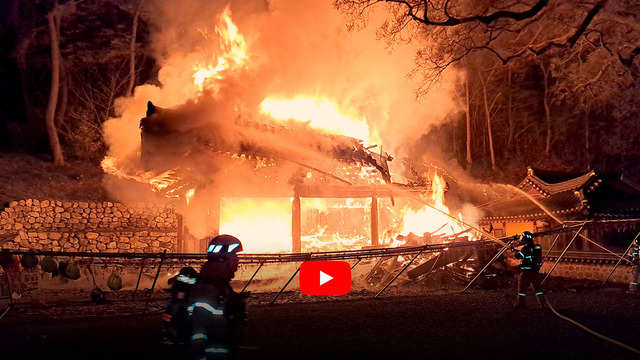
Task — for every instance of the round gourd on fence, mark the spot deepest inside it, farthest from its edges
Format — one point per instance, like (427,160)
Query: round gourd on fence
(6,259)
(49,264)
(72,271)
(114,282)
(29,261)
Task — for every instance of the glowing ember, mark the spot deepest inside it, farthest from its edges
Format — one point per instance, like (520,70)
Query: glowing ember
(335,224)
(321,113)
(189,195)
(167,183)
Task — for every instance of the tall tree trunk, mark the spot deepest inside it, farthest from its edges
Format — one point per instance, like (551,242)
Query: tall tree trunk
(53,18)
(469,159)
(63,98)
(132,50)
(545,99)
(487,113)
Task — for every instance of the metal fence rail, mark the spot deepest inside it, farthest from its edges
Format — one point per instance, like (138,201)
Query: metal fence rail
(157,260)
(265,258)
(176,259)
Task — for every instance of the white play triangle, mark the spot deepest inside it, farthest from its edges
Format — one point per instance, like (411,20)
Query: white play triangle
(324,277)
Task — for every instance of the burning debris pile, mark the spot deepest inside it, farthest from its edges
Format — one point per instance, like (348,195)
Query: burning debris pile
(242,148)
(441,269)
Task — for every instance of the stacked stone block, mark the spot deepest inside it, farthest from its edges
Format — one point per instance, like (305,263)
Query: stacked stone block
(590,271)
(88,226)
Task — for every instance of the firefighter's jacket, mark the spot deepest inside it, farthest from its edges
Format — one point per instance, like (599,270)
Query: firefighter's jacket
(180,289)
(531,256)
(214,287)
(633,254)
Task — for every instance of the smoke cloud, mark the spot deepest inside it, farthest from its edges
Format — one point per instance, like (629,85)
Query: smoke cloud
(294,48)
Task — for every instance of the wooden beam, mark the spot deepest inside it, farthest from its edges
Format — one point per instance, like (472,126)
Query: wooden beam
(355,191)
(326,191)
(296,226)
(375,239)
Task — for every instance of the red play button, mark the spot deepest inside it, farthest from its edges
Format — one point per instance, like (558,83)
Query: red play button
(325,277)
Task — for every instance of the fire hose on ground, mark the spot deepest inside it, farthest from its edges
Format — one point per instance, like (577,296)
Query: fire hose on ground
(555,312)
(5,312)
(593,332)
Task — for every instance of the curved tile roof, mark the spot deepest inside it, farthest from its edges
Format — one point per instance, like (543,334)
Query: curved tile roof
(567,196)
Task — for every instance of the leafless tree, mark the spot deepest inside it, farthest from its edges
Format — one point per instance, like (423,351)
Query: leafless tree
(132,51)
(53,21)
(508,29)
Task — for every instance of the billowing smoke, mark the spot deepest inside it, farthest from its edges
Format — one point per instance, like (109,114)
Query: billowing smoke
(293,48)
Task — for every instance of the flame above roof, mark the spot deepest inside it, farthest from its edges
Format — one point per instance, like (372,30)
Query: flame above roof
(168,132)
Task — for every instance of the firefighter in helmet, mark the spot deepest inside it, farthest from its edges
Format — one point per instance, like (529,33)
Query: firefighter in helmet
(220,268)
(175,319)
(530,255)
(222,259)
(634,257)
(215,309)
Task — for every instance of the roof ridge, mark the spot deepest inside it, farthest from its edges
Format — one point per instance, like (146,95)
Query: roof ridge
(547,189)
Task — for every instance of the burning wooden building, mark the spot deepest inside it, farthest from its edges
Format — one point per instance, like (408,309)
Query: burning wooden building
(219,163)
(245,129)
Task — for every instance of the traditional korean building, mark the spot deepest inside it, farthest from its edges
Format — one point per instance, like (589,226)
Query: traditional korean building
(547,199)
(263,158)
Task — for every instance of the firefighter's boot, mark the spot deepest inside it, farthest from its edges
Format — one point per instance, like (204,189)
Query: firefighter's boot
(542,300)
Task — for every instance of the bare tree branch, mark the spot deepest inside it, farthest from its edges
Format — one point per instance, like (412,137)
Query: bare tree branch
(413,8)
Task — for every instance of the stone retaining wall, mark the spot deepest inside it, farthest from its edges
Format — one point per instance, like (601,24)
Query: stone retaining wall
(88,226)
(589,271)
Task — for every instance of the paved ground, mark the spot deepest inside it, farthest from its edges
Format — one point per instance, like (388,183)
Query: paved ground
(428,325)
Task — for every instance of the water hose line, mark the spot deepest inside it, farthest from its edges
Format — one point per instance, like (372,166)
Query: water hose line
(5,312)
(592,332)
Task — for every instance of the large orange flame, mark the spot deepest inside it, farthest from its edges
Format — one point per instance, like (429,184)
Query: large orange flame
(320,112)
(429,220)
(264,224)
(234,53)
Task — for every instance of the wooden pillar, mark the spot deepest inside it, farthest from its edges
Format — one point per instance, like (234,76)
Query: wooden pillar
(296,225)
(181,234)
(187,243)
(375,238)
